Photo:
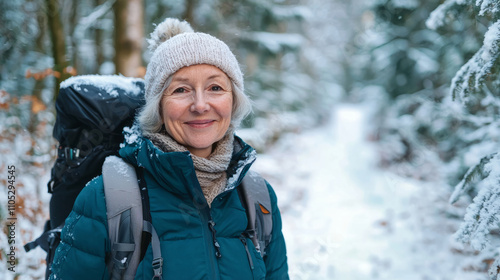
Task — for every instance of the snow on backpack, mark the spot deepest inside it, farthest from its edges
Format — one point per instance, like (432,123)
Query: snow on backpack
(91,114)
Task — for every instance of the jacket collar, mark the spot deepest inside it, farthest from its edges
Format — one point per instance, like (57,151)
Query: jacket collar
(175,170)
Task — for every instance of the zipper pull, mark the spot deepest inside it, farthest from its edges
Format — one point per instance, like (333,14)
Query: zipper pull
(244,241)
(211,225)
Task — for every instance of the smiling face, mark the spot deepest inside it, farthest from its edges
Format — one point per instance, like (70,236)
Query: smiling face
(196,107)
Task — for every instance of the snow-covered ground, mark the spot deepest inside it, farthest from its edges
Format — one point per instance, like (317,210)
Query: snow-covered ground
(344,218)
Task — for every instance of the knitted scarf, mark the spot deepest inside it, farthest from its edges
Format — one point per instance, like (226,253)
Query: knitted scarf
(211,171)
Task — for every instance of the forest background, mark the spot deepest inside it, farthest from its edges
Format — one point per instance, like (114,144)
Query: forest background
(427,69)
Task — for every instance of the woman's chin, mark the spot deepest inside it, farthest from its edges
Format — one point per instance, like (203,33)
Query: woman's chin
(202,144)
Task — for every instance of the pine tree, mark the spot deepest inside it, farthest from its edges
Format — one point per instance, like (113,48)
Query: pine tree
(405,56)
(410,65)
(475,85)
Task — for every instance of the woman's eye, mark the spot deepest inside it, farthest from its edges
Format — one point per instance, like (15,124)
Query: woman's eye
(216,88)
(179,90)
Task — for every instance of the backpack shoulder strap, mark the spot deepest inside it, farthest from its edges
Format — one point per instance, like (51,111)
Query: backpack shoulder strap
(257,202)
(129,220)
(125,217)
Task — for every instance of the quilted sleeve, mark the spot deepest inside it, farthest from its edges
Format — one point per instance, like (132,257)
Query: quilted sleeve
(84,238)
(276,260)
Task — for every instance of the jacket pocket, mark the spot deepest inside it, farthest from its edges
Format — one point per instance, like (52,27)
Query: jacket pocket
(255,260)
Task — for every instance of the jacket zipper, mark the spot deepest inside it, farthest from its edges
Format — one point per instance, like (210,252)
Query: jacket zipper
(209,243)
(211,225)
(208,227)
(244,241)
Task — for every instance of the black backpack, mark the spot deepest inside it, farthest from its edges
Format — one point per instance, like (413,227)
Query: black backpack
(91,114)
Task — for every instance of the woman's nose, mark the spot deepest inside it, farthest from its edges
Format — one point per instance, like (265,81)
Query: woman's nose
(200,103)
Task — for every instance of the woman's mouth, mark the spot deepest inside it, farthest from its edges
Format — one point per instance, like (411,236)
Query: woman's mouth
(200,123)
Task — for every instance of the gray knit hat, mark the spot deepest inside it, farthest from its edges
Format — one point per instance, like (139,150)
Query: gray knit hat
(175,45)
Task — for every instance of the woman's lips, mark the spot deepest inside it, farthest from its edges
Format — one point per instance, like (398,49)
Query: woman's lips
(200,123)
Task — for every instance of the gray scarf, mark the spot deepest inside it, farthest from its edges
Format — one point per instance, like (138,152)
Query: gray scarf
(211,171)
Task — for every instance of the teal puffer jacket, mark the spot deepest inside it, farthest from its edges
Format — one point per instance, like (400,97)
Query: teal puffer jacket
(181,216)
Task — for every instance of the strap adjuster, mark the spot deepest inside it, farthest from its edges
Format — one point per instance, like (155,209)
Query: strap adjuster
(157,268)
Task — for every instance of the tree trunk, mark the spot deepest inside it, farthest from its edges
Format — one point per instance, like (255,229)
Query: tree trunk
(189,14)
(99,37)
(128,37)
(57,40)
(74,44)
(40,47)
(39,84)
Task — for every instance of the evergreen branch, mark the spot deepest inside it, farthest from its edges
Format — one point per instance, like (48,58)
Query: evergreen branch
(473,74)
(488,7)
(439,17)
(442,15)
(465,81)
(468,180)
(482,215)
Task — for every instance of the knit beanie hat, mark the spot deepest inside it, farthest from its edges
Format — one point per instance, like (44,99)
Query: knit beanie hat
(175,45)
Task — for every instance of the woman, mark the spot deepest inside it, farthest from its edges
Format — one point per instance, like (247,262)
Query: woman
(192,164)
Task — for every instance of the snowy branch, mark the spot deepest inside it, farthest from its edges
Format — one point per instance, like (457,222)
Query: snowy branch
(439,17)
(490,7)
(91,19)
(472,75)
(482,215)
(467,182)
(443,13)
(275,42)
(287,13)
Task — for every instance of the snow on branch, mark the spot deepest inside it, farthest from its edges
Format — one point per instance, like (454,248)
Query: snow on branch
(287,12)
(491,42)
(275,42)
(407,4)
(490,7)
(85,22)
(482,215)
(472,75)
(441,15)
(468,181)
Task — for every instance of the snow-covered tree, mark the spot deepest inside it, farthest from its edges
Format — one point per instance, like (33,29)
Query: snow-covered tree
(475,85)
(408,65)
(423,133)
(405,56)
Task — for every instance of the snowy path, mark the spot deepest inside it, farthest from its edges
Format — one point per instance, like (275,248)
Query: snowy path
(346,219)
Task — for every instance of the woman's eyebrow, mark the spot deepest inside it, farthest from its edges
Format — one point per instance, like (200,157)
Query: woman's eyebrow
(214,76)
(180,79)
